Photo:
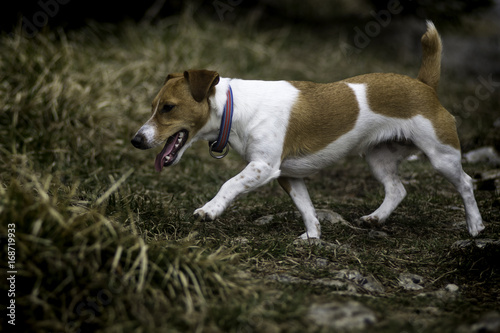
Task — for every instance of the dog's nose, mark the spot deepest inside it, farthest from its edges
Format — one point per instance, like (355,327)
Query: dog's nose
(138,142)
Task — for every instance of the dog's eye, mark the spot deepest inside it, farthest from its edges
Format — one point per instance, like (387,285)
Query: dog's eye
(167,108)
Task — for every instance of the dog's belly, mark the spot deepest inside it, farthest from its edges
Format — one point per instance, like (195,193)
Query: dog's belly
(303,166)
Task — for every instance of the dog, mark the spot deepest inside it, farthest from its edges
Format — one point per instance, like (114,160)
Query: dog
(288,130)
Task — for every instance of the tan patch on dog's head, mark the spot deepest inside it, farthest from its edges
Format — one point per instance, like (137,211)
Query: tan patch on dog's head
(322,113)
(182,103)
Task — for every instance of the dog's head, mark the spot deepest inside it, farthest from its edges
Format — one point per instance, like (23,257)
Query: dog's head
(179,111)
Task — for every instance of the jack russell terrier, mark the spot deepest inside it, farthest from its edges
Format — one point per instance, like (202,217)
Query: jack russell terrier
(289,130)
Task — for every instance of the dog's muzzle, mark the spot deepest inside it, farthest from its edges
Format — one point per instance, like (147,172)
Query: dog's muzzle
(139,141)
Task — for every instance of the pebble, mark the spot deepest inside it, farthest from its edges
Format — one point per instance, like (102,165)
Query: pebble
(350,315)
(452,288)
(411,281)
(324,216)
(483,154)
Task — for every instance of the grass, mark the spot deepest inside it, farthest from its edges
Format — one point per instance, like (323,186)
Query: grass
(103,243)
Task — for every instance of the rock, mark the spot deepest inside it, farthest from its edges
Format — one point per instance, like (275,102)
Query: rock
(413,157)
(342,316)
(411,281)
(321,262)
(242,241)
(452,288)
(489,323)
(324,216)
(487,181)
(264,220)
(449,292)
(484,154)
(329,216)
(473,244)
(368,283)
(349,274)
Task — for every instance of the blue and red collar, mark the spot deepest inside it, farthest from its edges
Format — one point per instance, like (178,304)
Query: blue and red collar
(220,144)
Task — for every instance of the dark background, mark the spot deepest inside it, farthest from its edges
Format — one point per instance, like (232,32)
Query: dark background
(73,14)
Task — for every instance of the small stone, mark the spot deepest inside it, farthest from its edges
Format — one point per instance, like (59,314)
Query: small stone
(490,322)
(411,281)
(321,262)
(264,220)
(329,216)
(368,283)
(349,274)
(240,241)
(476,244)
(377,234)
(452,288)
(413,157)
(342,316)
(324,216)
(483,154)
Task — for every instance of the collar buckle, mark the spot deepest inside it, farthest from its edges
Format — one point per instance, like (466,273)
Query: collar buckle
(211,150)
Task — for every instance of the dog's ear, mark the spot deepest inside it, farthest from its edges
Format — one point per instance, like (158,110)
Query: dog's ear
(171,76)
(201,82)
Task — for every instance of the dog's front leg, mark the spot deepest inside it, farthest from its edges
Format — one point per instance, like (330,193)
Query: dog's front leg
(255,174)
(296,189)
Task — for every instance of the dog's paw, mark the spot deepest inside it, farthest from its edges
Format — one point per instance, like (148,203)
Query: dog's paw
(475,229)
(209,212)
(201,215)
(306,235)
(369,221)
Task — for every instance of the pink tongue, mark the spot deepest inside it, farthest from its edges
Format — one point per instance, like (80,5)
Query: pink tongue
(164,152)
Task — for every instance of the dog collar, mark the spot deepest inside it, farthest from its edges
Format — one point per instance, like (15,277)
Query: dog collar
(220,144)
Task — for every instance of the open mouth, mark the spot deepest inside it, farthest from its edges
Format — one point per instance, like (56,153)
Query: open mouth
(168,154)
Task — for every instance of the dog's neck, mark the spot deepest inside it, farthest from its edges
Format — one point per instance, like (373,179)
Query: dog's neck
(244,112)
(256,103)
(217,102)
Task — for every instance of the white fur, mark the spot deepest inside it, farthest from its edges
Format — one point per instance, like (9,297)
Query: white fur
(260,120)
(148,131)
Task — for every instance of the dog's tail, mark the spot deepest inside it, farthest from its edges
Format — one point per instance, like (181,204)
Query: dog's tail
(430,70)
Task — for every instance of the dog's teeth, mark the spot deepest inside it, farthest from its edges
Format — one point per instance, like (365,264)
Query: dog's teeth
(167,158)
(181,135)
(179,140)
(177,145)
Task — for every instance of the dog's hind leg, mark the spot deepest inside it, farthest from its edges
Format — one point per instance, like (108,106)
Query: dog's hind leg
(447,161)
(296,189)
(384,160)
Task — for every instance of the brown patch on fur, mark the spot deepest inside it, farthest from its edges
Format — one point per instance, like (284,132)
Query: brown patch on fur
(201,82)
(400,96)
(430,70)
(322,113)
